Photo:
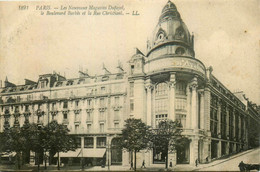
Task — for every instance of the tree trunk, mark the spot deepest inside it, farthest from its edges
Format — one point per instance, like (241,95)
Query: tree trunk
(135,160)
(45,159)
(18,160)
(58,160)
(166,162)
(38,157)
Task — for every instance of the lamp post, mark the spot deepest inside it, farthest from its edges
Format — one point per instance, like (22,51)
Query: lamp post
(108,156)
(39,128)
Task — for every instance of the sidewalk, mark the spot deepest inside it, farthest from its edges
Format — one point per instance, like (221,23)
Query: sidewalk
(219,161)
(181,167)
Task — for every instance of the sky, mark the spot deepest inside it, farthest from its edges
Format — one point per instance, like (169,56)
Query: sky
(227,37)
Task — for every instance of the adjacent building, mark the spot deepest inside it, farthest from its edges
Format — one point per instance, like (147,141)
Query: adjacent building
(167,82)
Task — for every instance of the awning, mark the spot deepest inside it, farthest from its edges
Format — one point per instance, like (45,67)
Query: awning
(90,153)
(93,153)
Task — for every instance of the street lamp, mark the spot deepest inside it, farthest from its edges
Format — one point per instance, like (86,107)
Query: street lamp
(108,156)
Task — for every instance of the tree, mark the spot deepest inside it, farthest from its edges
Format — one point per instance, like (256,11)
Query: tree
(15,142)
(59,139)
(167,137)
(135,136)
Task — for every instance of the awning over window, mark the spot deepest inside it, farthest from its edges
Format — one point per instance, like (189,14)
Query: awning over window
(94,153)
(90,153)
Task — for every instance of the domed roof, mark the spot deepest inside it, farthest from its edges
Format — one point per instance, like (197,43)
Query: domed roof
(170,30)
(169,10)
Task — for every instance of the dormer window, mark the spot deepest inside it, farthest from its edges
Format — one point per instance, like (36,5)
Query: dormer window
(42,84)
(160,36)
(70,82)
(132,69)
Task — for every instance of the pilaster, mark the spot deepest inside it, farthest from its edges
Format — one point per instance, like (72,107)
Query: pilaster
(172,85)
(194,114)
(202,109)
(149,88)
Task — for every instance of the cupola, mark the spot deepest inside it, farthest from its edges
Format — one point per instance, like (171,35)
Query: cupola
(170,35)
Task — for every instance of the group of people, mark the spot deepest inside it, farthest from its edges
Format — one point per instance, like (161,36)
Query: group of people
(132,167)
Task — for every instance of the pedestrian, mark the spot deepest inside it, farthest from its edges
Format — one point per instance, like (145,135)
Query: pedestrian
(197,162)
(241,166)
(143,164)
(131,168)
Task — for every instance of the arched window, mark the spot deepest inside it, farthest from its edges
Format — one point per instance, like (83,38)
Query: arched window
(180,88)
(161,89)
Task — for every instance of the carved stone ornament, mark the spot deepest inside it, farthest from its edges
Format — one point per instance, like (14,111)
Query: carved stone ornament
(149,86)
(77,111)
(102,109)
(172,84)
(89,110)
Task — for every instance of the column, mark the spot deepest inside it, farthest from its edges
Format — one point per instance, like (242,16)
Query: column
(172,85)
(234,124)
(202,115)
(149,87)
(82,151)
(207,109)
(219,149)
(219,118)
(188,116)
(108,150)
(194,147)
(22,119)
(239,128)
(227,122)
(11,120)
(194,115)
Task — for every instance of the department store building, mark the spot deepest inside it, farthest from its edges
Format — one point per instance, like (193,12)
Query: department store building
(167,82)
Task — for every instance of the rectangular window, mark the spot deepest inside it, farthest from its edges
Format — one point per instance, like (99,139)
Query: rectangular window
(78,142)
(89,116)
(26,108)
(16,109)
(42,84)
(88,128)
(65,116)
(132,69)
(102,102)
(65,105)
(116,113)
(101,142)
(18,98)
(39,106)
(88,142)
(76,104)
(160,117)
(116,101)
(76,129)
(101,115)
(53,106)
(101,127)
(77,117)
(116,125)
(89,102)
(131,89)
(103,90)
(29,97)
(131,105)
